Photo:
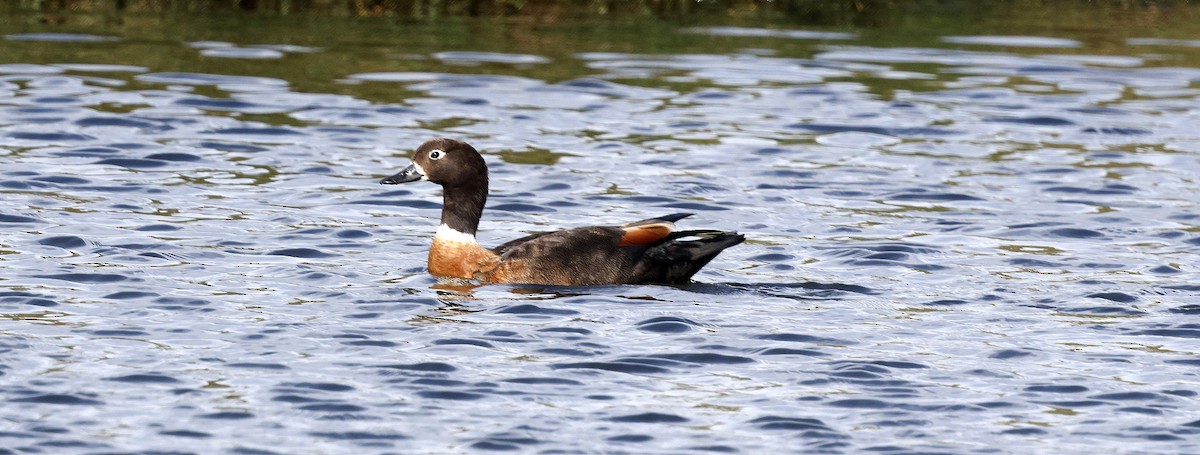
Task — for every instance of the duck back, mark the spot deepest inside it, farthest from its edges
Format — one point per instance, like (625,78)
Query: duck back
(595,255)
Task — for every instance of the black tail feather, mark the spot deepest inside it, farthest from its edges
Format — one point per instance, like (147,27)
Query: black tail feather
(668,218)
(674,217)
(675,261)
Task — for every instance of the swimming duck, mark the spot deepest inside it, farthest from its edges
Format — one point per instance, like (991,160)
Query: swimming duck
(646,251)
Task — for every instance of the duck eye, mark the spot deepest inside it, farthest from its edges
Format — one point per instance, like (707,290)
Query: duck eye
(436,154)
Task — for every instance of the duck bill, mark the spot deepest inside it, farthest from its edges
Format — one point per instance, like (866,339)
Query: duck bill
(412,173)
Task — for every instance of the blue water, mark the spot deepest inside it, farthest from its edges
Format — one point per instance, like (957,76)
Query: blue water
(1000,256)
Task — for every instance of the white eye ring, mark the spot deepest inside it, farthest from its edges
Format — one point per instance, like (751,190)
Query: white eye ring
(436,154)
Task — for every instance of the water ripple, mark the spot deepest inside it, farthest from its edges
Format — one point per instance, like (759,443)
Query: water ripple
(204,256)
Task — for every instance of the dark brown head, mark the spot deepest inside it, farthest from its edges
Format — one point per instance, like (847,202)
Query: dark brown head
(446,162)
(461,172)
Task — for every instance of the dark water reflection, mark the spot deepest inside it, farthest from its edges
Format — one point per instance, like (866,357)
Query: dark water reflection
(998,255)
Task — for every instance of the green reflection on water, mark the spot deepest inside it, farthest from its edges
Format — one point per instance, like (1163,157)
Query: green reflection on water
(1033,249)
(405,36)
(532,156)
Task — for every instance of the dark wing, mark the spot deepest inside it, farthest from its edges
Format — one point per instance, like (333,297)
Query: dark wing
(641,232)
(646,251)
(503,248)
(580,256)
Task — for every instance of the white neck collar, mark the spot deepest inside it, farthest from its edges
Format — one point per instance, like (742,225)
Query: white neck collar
(448,234)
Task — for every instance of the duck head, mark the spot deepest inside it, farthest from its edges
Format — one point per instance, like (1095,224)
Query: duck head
(461,172)
(446,162)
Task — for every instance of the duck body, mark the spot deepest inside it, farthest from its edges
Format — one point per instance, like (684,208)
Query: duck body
(646,251)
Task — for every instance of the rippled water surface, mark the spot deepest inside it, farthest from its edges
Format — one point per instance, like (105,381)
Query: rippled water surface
(985,246)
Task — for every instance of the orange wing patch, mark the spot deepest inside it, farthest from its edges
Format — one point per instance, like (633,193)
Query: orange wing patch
(645,234)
